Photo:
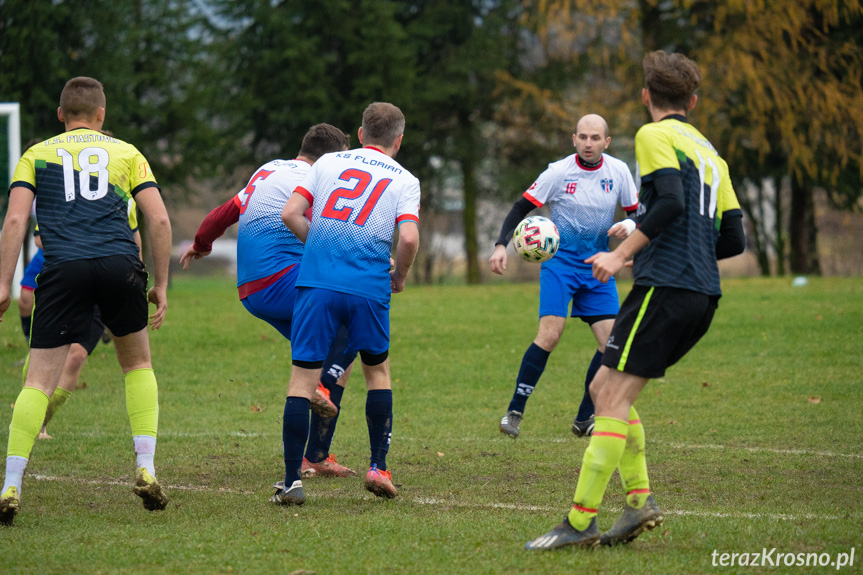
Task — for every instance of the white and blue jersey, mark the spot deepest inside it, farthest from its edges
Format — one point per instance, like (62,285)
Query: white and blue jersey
(265,246)
(582,202)
(358,198)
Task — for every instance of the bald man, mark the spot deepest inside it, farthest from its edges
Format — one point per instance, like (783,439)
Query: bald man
(582,192)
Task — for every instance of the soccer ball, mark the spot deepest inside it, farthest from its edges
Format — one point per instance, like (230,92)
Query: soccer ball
(536,239)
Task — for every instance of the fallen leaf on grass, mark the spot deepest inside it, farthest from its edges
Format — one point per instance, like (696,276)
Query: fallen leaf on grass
(673,422)
(705,384)
(255,409)
(439,454)
(814,400)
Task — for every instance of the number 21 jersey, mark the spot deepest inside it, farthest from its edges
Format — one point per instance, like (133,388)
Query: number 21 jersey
(358,198)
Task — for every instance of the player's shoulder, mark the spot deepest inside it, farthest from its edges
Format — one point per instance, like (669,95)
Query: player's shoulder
(614,163)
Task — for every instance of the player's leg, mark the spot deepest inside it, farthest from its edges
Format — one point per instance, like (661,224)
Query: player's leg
(75,360)
(122,301)
(274,304)
(318,461)
(313,331)
(597,304)
(555,292)
(27,416)
(614,393)
(379,418)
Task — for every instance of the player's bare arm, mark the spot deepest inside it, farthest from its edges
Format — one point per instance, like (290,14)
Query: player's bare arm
(406,251)
(14,230)
(292,215)
(159,229)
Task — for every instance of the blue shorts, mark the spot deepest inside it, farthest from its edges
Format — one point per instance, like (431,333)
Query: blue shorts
(320,312)
(32,270)
(589,296)
(275,303)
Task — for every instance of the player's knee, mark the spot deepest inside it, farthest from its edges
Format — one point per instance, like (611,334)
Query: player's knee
(76,357)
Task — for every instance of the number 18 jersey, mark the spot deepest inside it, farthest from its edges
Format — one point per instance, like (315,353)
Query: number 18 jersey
(83,181)
(358,197)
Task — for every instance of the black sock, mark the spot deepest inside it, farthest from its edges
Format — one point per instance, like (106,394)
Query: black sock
(585,410)
(532,366)
(379,417)
(295,433)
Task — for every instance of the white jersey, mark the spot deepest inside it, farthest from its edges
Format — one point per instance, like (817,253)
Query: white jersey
(265,245)
(582,202)
(358,197)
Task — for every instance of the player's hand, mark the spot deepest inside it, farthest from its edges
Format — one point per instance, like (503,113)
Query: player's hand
(5,302)
(605,265)
(397,284)
(498,259)
(621,230)
(191,254)
(158,297)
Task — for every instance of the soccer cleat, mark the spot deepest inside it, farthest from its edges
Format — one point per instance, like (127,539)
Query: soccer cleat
(510,422)
(583,428)
(329,467)
(633,523)
(380,482)
(10,502)
(321,403)
(565,535)
(149,490)
(293,496)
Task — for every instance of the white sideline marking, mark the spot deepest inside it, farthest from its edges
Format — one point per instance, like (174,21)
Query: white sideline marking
(453,503)
(672,444)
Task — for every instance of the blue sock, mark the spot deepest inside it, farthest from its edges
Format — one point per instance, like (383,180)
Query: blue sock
(321,429)
(585,410)
(379,417)
(295,433)
(532,366)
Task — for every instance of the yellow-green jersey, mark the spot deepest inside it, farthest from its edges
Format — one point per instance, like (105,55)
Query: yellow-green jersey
(84,181)
(684,254)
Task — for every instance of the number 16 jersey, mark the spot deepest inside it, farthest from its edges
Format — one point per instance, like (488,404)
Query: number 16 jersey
(358,198)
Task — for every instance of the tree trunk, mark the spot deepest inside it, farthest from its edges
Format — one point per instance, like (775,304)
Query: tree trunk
(803,233)
(471,191)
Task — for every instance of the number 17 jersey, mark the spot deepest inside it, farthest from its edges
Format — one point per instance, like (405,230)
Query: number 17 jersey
(358,198)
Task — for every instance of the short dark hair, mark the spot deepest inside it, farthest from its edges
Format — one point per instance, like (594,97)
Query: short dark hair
(382,124)
(322,139)
(671,79)
(82,97)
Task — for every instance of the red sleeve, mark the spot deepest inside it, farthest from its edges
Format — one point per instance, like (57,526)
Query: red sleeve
(215,224)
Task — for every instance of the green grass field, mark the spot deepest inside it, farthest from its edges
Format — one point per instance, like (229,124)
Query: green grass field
(755,440)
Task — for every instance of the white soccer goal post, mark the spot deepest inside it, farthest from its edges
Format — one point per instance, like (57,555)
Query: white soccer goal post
(12,112)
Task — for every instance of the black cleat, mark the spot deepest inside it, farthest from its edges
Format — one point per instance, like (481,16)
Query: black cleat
(565,535)
(633,523)
(293,496)
(583,428)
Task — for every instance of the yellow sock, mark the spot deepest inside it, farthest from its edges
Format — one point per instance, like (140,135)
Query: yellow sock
(633,464)
(142,402)
(600,460)
(57,400)
(27,418)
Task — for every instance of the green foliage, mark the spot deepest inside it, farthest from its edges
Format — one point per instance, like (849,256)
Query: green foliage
(740,454)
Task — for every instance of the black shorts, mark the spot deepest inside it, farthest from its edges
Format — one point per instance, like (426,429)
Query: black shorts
(67,292)
(656,326)
(95,333)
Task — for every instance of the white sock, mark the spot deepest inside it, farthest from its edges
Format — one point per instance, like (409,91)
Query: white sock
(145,451)
(15,466)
